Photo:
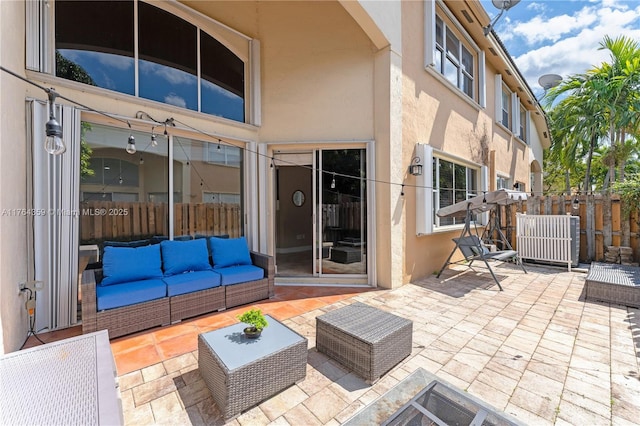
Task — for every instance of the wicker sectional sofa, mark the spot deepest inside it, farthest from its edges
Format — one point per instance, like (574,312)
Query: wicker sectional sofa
(155,285)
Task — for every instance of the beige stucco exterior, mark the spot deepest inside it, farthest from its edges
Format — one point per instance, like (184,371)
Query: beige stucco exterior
(343,73)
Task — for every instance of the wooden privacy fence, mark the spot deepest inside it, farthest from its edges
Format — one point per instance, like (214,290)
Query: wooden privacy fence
(602,221)
(125,221)
(346,215)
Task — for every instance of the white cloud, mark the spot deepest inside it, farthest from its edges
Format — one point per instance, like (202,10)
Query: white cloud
(568,45)
(115,61)
(171,75)
(540,28)
(173,99)
(536,7)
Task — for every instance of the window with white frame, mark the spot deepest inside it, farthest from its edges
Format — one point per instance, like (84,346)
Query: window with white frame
(502,182)
(224,155)
(220,198)
(125,46)
(454,57)
(524,124)
(506,107)
(452,183)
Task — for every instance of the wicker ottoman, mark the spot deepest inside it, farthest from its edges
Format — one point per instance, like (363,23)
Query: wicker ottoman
(364,339)
(241,372)
(613,283)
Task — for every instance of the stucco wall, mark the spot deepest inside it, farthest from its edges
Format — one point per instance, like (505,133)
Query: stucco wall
(436,113)
(317,68)
(13,157)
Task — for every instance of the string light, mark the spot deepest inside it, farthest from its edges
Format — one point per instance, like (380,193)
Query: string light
(54,131)
(402,191)
(333,182)
(53,143)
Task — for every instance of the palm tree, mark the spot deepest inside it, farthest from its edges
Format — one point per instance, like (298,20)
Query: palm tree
(601,104)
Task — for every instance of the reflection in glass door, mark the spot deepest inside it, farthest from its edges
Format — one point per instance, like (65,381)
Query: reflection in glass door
(321,226)
(341,209)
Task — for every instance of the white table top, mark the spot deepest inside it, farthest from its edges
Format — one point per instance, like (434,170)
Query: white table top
(235,350)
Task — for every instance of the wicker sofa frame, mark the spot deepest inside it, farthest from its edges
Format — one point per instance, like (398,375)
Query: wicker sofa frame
(159,312)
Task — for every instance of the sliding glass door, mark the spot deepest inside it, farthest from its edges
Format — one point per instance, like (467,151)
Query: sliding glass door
(321,217)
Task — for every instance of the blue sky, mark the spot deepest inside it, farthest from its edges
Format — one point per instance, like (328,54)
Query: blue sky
(562,36)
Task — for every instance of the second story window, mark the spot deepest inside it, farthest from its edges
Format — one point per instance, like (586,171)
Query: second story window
(506,107)
(523,124)
(453,58)
(145,50)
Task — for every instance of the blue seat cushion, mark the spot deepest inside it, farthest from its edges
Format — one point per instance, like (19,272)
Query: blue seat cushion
(229,252)
(118,295)
(240,274)
(191,281)
(126,264)
(184,256)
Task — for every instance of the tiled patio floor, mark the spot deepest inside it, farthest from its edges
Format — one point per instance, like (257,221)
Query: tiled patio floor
(537,351)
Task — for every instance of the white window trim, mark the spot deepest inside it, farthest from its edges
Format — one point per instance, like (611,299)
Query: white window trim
(40,53)
(425,210)
(479,86)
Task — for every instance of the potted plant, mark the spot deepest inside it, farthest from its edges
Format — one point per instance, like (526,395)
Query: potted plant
(256,322)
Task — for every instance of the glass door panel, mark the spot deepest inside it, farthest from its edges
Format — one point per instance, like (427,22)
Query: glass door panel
(341,245)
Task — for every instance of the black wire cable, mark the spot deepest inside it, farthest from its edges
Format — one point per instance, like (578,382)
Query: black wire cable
(32,321)
(171,122)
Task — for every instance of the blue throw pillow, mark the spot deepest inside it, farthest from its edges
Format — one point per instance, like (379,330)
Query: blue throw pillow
(184,256)
(126,264)
(229,252)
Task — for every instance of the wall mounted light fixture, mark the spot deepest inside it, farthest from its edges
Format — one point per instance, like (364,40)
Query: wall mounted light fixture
(416,167)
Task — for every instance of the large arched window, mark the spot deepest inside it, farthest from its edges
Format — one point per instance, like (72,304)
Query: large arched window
(137,48)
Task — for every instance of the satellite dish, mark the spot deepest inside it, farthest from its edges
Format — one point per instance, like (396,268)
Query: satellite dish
(502,5)
(548,81)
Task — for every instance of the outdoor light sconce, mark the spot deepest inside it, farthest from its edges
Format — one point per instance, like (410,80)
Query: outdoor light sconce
(415,168)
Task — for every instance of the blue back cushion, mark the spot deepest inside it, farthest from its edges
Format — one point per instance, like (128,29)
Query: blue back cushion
(229,252)
(184,256)
(126,264)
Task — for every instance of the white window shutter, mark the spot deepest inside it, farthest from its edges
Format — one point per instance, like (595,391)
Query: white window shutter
(255,89)
(498,100)
(483,218)
(482,84)
(515,114)
(424,191)
(39,35)
(429,32)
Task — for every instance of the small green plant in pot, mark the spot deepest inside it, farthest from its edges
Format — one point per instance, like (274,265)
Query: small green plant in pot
(256,322)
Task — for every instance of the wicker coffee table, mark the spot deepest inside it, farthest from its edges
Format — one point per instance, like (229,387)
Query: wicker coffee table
(242,372)
(613,283)
(364,339)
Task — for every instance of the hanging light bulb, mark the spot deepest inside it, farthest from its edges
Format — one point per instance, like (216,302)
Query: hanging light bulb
(402,191)
(154,141)
(53,143)
(218,144)
(120,180)
(104,194)
(131,145)
(333,182)
(141,160)
(576,203)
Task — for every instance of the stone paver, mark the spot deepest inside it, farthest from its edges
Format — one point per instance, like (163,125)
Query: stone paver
(537,351)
